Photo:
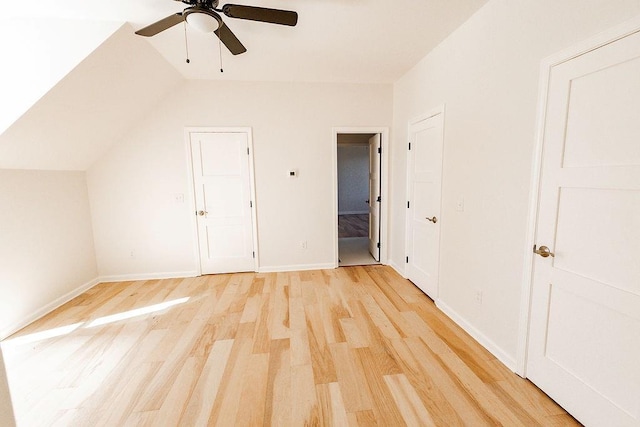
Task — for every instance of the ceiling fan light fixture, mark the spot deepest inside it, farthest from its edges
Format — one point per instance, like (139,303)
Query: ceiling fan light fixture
(203,16)
(203,22)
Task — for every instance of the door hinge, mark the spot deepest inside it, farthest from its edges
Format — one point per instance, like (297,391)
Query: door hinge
(379,150)
(250,203)
(378,245)
(408,204)
(409,146)
(407,260)
(247,151)
(254,254)
(379,199)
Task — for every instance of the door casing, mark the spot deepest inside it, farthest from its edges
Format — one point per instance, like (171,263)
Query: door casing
(384,185)
(191,192)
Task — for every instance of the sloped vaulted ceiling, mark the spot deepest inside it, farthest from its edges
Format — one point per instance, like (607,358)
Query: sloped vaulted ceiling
(37,52)
(91,107)
(354,41)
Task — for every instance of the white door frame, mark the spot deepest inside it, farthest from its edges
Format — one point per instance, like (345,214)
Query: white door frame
(430,113)
(384,186)
(623,30)
(191,197)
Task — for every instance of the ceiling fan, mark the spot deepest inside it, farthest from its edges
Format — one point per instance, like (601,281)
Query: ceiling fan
(205,16)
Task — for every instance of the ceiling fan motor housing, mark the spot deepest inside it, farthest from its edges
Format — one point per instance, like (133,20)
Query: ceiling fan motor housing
(204,20)
(202,3)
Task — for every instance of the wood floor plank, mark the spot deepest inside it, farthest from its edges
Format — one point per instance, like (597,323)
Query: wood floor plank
(300,350)
(279,311)
(351,378)
(206,389)
(380,347)
(227,402)
(278,396)
(366,418)
(357,346)
(332,411)
(480,392)
(121,404)
(124,388)
(379,318)
(428,388)
(330,312)
(411,407)
(389,292)
(254,388)
(323,368)
(178,396)
(154,393)
(104,366)
(450,386)
(562,420)
(353,335)
(477,357)
(526,395)
(384,407)
(262,341)
(251,309)
(304,403)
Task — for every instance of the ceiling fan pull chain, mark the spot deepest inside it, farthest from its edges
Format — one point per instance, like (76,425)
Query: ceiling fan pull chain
(186,43)
(220,50)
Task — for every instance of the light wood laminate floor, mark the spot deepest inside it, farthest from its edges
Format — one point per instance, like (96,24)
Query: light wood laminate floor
(351,346)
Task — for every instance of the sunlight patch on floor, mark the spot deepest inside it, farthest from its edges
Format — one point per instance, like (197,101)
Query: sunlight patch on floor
(65,330)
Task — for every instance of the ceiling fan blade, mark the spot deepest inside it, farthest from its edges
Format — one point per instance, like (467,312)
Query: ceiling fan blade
(252,13)
(230,40)
(161,25)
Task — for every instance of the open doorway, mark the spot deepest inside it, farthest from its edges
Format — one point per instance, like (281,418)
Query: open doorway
(359,198)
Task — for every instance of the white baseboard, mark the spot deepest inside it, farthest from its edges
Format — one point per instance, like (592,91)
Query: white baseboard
(353,213)
(494,349)
(299,267)
(399,269)
(48,308)
(147,276)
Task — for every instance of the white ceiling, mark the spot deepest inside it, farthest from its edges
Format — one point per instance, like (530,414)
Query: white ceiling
(368,41)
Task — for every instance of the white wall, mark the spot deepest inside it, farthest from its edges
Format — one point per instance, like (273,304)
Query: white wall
(46,249)
(353,179)
(132,187)
(6,408)
(486,73)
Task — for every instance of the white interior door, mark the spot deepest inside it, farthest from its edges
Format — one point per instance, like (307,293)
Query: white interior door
(424,165)
(584,343)
(222,185)
(374,196)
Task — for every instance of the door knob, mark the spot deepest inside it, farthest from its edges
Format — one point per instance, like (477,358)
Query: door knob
(202,213)
(433,220)
(543,251)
